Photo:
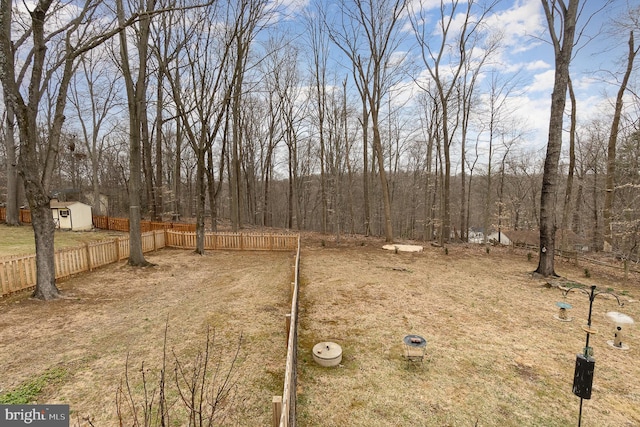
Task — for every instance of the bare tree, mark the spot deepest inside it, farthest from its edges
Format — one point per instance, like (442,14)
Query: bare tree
(472,67)
(319,44)
(613,141)
(13,179)
(201,87)
(70,32)
(430,120)
(369,36)
(93,95)
(557,13)
(136,89)
(445,66)
(508,143)
(572,163)
(496,120)
(251,15)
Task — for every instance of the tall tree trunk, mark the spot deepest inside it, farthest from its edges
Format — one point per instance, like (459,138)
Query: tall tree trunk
(291,185)
(365,169)
(95,187)
(35,171)
(234,168)
(384,184)
(201,197)
(430,182)
(576,221)
(136,93)
(347,155)
(597,233)
(266,205)
(177,173)
(611,150)
(12,210)
(321,100)
(548,196)
(213,193)
(463,190)
(145,137)
(572,165)
(158,208)
(41,219)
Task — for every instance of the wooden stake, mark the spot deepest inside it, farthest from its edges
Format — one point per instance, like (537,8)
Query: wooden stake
(277,410)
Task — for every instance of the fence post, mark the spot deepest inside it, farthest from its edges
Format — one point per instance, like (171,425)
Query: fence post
(86,246)
(287,325)
(277,410)
(117,249)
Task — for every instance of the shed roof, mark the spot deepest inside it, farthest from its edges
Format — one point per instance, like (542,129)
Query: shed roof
(62,205)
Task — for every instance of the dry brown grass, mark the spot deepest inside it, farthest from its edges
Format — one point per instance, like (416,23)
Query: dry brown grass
(119,311)
(495,354)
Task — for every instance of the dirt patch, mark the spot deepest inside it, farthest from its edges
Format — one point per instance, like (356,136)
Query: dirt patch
(118,312)
(495,354)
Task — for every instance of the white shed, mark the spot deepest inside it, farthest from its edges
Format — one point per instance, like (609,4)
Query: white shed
(499,237)
(74,216)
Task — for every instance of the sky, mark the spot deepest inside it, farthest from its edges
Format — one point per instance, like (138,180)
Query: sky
(595,51)
(527,56)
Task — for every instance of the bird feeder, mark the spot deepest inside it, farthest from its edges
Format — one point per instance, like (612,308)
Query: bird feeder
(619,320)
(585,363)
(562,313)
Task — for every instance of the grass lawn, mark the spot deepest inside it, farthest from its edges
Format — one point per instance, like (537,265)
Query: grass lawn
(20,240)
(112,323)
(495,355)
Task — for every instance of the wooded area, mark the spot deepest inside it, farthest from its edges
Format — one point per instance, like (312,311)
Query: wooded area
(380,117)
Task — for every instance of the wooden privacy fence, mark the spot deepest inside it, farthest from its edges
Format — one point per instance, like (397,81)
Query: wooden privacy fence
(234,241)
(122,224)
(19,272)
(113,223)
(24,215)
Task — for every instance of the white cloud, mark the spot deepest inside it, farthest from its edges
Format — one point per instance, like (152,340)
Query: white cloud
(519,25)
(537,65)
(542,82)
(292,7)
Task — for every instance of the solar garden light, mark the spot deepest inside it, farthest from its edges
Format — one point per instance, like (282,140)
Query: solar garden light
(585,363)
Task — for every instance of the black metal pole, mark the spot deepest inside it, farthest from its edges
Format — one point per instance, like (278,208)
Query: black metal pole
(580,414)
(591,298)
(586,345)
